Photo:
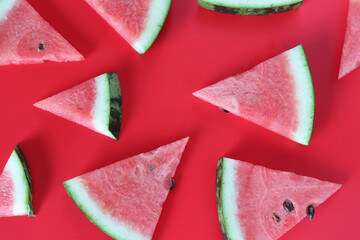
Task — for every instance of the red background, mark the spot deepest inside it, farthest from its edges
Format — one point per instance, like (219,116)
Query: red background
(195,48)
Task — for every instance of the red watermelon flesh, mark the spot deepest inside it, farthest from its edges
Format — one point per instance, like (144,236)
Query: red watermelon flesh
(95,104)
(350,59)
(249,196)
(137,21)
(74,104)
(16,187)
(6,194)
(125,199)
(276,94)
(26,38)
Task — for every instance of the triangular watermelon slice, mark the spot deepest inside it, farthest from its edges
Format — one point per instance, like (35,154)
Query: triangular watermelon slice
(246,7)
(125,199)
(350,59)
(258,203)
(95,104)
(25,37)
(137,21)
(16,187)
(276,94)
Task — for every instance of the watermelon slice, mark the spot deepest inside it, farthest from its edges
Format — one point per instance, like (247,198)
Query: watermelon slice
(125,199)
(350,59)
(137,21)
(258,203)
(95,104)
(276,94)
(16,187)
(246,7)
(25,37)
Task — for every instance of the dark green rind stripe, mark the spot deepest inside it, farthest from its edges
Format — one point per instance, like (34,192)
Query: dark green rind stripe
(219,174)
(155,35)
(248,11)
(115,104)
(28,180)
(83,209)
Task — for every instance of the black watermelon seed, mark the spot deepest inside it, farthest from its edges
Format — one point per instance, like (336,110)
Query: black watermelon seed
(311,212)
(41,47)
(276,217)
(288,205)
(224,110)
(152,167)
(172,184)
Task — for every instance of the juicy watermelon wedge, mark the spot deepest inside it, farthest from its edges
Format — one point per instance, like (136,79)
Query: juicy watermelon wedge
(137,21)
(16,187)
(350,59)
(258,203)
(246,7)
(26,38)
(125,199)
(276,94)
(95,104)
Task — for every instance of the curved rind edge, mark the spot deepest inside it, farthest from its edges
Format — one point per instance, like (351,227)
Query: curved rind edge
(28,179)
(74,197)
(144,43)
(115,104)
(219,173)
(249,10)
(304,135)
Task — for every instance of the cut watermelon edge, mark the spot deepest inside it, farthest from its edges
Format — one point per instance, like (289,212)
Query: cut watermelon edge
(108,105)
(226,193)
(23,191)
(304,94)
(156,18)
(111,227)
(238,8)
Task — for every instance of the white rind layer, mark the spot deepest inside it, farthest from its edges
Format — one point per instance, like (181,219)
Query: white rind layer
(304,94)
(101,114)
(105,222)
(157,14)
(228,197)
(5,7)
(21,189)
(252,4)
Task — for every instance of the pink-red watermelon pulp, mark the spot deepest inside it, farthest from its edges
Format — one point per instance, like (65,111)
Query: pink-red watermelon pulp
(25,37)
(350,59)
(276,94)
(125,199)
(95,104)
(137,21)
(257,203)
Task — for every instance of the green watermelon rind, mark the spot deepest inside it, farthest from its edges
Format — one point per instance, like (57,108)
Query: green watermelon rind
(5,7)
(23,191)
(243,9)
(111,227)
(225,200)
(158,12)
(304,94)
(108,105)
(115,104)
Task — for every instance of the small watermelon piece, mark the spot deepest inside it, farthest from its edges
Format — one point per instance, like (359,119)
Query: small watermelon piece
(277,94)
(137,21)
(16,187)
(246,7)
(95,104)
(350,59)
(258,203)
(125,199)
(26,38)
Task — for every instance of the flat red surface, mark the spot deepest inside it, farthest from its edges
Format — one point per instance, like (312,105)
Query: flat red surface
(195,48)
